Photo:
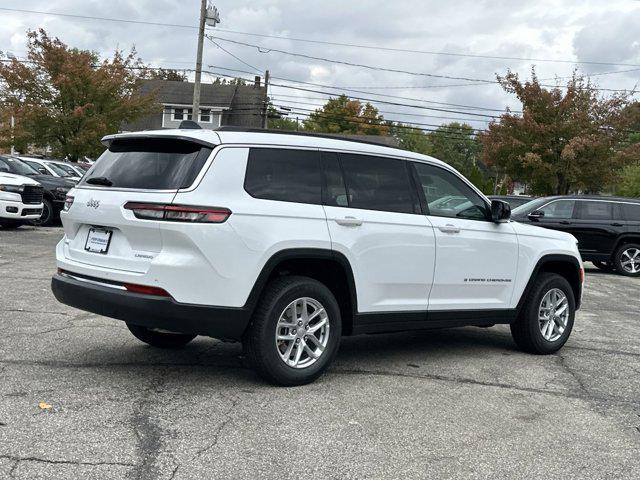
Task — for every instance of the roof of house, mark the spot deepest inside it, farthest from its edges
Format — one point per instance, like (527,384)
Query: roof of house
(181,93)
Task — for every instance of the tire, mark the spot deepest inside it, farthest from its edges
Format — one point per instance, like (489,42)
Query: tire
(10,223)
(527,330)
(159,339)
(266,354)
(47,216)
(604,266)
(627,260)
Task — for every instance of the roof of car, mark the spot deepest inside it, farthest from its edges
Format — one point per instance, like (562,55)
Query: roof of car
(274,137)
(594,197)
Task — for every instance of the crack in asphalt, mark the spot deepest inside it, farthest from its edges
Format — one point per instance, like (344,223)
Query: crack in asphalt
(471,381)
(18,460)
(562,362)
(217,434)
(148,433)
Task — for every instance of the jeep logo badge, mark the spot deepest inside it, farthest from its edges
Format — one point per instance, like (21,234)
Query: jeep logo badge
(93,203)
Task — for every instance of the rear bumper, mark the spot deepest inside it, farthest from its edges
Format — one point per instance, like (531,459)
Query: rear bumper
(149,310)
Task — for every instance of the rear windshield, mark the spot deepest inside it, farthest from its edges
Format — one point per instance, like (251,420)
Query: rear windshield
(153,164)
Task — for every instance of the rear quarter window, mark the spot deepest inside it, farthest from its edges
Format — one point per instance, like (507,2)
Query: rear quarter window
(284,174)
(631,211)
(151,164)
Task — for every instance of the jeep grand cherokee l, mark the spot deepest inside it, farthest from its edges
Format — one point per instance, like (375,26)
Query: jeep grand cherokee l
(607,228)
(287,242)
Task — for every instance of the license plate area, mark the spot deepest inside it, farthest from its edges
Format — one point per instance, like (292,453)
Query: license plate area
(98,240)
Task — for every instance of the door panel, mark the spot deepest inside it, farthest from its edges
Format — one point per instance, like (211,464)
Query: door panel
(476,264)
(476,259)
(390,245)
(597,226)
(392,256)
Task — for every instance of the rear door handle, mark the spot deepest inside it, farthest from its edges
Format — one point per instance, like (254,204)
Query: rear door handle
(617,225)
(448,228)
(349,221)
(565,222)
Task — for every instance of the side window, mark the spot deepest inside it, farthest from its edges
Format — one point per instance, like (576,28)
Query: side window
(4,167)
(378,183)
(595,210)
(284,174)
(334,193)
(447,195)
(631,211)
(559,209)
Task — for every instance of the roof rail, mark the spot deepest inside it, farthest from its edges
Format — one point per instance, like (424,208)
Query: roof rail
(302,134)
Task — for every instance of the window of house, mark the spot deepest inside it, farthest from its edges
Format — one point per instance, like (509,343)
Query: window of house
(182,114)
(205,115)
(378,183)
(284,174)
(447,195)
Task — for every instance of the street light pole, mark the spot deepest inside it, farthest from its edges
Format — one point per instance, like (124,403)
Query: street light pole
(209,16)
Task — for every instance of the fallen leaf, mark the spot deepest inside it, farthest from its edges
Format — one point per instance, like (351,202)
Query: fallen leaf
(45,406)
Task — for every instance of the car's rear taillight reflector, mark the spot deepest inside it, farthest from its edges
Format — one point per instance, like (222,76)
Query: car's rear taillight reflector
(146,290)
(178,213)
(68,201)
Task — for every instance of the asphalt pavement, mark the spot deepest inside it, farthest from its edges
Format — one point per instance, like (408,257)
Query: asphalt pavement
(80,397)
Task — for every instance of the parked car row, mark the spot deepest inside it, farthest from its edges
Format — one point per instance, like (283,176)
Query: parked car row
(33,190)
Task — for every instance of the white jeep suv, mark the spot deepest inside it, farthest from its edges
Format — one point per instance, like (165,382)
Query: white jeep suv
(289,241)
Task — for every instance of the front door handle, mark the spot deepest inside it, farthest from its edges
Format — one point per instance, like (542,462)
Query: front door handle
(617,225)
(349,221)
(448,228)
(565,222)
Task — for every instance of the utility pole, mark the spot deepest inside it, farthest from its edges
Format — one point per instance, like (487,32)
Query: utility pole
(266,99)
(209,16)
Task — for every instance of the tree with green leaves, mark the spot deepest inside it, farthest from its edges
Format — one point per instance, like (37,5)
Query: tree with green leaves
(343,115)
(564,140)
(456,144)
(164,74)
(67,99)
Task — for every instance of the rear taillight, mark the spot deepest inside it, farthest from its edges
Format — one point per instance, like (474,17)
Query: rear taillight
(68,201)
(146,290)
(178,213)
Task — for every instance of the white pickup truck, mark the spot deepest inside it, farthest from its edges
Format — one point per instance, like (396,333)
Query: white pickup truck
(20,200)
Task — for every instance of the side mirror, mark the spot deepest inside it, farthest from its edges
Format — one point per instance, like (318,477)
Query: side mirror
(500,211)
(43,170)
(536,214)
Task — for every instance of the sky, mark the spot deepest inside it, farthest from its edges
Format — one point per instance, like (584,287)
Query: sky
(603,35)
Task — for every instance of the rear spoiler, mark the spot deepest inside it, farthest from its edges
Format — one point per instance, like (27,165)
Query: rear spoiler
(108,139)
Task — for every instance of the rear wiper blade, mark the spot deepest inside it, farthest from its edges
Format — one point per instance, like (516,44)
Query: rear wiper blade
(100,181)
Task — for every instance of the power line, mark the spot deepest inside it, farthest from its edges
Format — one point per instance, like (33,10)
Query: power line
(325,42)
(263,50)
(234,56)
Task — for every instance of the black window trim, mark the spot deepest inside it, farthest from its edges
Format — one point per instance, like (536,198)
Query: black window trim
(423,199)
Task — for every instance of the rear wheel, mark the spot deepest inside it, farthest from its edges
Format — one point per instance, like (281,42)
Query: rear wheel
(295,331)
(627,260)
(159,338)
(604,266)
(547,316)
(46,218)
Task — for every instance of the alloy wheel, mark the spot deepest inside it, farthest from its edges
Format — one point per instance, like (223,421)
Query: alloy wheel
(302,332)
(553,314)
(630,260)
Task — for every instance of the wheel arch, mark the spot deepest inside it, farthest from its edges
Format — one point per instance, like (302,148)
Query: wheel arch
(566,266)
(623,239)
(327,266)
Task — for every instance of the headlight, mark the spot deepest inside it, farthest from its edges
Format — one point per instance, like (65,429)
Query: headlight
(60,192)
(10,188)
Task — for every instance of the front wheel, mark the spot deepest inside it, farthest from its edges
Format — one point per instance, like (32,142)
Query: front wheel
(159,338)
(547,316)
(627,260)
(295,331)
(47,216)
